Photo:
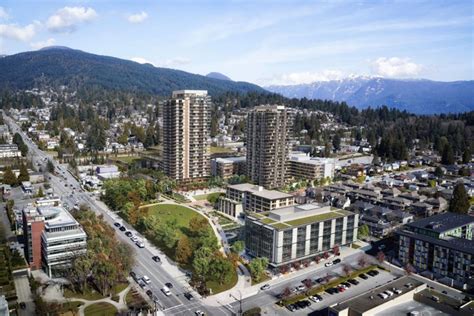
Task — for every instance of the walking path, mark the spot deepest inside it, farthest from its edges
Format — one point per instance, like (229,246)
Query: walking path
(54,294)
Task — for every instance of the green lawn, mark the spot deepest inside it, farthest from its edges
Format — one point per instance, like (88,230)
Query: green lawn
(202,197)
(100,309)
(217,288)
(88,295)
(126,159)
(166,212)
(220,150)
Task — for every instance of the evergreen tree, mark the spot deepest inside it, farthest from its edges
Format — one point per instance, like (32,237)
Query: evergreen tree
(23,176)
(460,201)
(466,155)
(9,177)
(447,158)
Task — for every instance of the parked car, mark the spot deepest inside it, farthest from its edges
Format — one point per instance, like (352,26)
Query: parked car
(353,282)
(122,228)
(300,288)
(116,224)
(265,287)
(315,299)
(149,293)
(383,296)
(199,313)
(336,261)
(128,234)
(140,244)
(328,264)
(156,259)
(168,284)
(319,280)
(189,296)
(291,307)
(146,279)
(363,276)
(133,275)
(346,284)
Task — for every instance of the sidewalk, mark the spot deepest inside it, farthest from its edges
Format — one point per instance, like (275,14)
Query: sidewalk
(248,290)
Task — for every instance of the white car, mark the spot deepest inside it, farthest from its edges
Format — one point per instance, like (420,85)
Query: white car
(314,299)
(140,244)
(166,291)
(328,264)
(265,287)
(146,279)
(199,313)
(134,238)
(300,288)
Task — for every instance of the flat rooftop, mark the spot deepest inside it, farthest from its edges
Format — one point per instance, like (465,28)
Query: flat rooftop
(364,302)
(303,158)
(299,215)
(461,244)
(260,191)
(56,216)
(231,159)
(442,222)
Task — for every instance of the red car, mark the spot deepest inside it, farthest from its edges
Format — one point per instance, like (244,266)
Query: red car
(341,289)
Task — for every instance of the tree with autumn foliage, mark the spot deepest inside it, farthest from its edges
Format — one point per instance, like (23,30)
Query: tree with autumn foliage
(380,256)
(183,250)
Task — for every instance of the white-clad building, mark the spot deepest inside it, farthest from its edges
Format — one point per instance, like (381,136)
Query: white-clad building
(52,238)
(9,151)
(302,166)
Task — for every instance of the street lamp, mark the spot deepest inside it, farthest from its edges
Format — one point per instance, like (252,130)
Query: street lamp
(240,301)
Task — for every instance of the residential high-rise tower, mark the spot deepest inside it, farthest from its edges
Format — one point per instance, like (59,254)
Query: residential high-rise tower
(268,148)
(185,135)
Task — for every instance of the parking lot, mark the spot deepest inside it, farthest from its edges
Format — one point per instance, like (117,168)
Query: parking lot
(267,299)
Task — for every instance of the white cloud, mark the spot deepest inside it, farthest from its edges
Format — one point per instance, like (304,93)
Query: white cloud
(138,17)
(3,14)
(141,60)
(304,77)
(67,18)
(41,44)
(178,61)
(20,33)
(395,67)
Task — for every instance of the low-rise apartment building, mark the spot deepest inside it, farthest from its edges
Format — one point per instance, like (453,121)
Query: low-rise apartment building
(52,238)
(228,167)
(9,151)
(304,167)
(251,198)
(298,232)
(442,245)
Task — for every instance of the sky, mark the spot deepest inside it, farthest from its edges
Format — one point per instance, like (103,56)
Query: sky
(264,42)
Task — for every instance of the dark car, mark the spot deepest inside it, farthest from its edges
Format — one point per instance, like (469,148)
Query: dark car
(133,275)
(149,293)
(336,261)
(128,234)
(22,305)
(353,282)
(332,290)
(347,284)
(122,228)
(303,304)
(373,273)
(116,224)
(320,280)
(189,296)
(318,297)
(156,259)
(290,307)
(363,276)
(169,285)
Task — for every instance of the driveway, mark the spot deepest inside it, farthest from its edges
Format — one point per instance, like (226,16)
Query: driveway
(23,292)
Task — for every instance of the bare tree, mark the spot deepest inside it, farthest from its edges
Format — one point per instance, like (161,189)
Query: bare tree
(380,256)
(347,269)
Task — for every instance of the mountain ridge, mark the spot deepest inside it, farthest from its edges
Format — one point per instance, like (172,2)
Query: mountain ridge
(76,68)
(419,96)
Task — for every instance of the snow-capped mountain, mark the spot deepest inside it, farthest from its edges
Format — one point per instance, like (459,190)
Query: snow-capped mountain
(416,96)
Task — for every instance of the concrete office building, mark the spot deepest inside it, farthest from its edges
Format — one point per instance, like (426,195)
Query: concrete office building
(252,198)
(186,130)
(52,238)
(441,246)
(298,232)
(9,151)
(268,135)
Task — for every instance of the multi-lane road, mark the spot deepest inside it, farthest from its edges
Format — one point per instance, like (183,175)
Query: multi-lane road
(66,186)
